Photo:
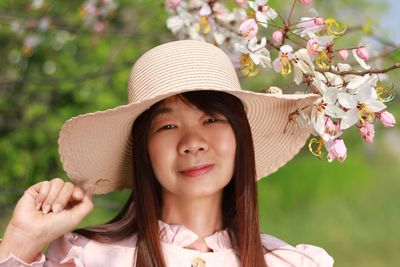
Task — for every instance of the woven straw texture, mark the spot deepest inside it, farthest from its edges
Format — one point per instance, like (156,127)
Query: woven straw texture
(95,148)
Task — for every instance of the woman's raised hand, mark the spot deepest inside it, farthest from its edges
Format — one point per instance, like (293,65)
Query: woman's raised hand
(46,211)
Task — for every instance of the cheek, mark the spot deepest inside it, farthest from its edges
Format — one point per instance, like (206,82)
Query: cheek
(160,153)
(225,143)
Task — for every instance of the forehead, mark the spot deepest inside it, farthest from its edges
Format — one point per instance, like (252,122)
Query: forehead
(172,104)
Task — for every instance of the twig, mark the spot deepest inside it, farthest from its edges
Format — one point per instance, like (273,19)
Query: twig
(291,11)
(361,73)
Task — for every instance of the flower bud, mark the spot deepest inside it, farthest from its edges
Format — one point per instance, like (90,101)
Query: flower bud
(387,119)
(343,54)
(367,131)
(172,3)
(337,150)
(277,36)
(306,2)
(100,26)
(362,53)
(241,3)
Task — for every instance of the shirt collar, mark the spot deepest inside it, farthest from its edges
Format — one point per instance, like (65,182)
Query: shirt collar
(181,236)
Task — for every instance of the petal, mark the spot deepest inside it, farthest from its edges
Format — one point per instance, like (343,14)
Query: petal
(242,49)
(286,49)
(360,61)
(265,61)
(347,100)
(253,44)
(344,67)
(334,111)
(298,74)
(331,95)
(357,82)
(263,42)
(277,64)
(255,58)
(375,105)
(261,2)
(262,19)
(319,124)
(271,13)
(253,5)
(349,119)
(365,93)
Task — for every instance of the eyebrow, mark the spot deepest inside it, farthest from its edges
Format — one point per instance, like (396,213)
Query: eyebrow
(162,111)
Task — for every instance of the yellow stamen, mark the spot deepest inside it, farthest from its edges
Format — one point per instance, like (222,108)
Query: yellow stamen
(205,26)
(365,114)
(316,147)
(384,94)
(286,67)
(335,28)
(322,60)
(251,14)
(248,68)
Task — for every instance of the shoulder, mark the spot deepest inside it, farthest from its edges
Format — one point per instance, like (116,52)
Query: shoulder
(279,253)
(75,248)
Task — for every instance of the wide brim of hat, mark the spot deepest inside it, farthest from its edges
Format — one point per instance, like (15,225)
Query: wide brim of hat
(96,148)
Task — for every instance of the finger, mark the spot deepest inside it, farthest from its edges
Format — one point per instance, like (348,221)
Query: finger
(78,193)
(56,185)
(63,197)
(43,189)
(34,190)
(82,209)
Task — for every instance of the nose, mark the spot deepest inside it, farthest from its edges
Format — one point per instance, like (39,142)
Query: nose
(192,142)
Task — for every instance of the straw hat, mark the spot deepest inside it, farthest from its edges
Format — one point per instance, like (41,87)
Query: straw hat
(95,148)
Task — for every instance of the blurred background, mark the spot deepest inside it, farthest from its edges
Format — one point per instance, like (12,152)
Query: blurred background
(58,61)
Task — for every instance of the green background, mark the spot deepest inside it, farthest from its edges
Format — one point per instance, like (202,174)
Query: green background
(351,209)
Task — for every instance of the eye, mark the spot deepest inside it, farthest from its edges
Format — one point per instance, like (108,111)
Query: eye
(166,127)
(213,120)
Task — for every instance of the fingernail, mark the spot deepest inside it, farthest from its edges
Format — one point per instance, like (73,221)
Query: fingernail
(46,209)
(56,208)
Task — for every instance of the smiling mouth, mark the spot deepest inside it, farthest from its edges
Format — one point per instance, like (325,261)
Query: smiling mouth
(197,170)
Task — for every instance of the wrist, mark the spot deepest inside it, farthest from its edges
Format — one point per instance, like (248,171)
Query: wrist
(19,244)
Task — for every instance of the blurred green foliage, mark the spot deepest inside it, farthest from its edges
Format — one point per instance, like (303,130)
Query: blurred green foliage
(349,209)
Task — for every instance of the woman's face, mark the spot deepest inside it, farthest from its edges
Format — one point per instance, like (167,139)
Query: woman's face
(191,152)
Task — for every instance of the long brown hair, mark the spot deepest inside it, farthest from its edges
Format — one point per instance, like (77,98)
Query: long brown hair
(142,211)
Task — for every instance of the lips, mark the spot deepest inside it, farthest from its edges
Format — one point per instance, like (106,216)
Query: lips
(197,170)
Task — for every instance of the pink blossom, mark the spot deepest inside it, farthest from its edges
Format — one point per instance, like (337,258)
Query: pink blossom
(367,131)
(241,3)
(307,24)
(313,46)
(362,53)
(100,26)
(337,150)
(306,2)
(90,9)
(343,54)
(277,36)
(319,21)
(330,126)
(387,119)
(220,10)
(172,3)
(248,28)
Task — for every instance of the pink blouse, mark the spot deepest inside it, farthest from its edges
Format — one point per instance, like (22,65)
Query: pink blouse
(75,250)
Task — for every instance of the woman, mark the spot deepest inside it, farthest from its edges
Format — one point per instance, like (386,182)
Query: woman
(190,144)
